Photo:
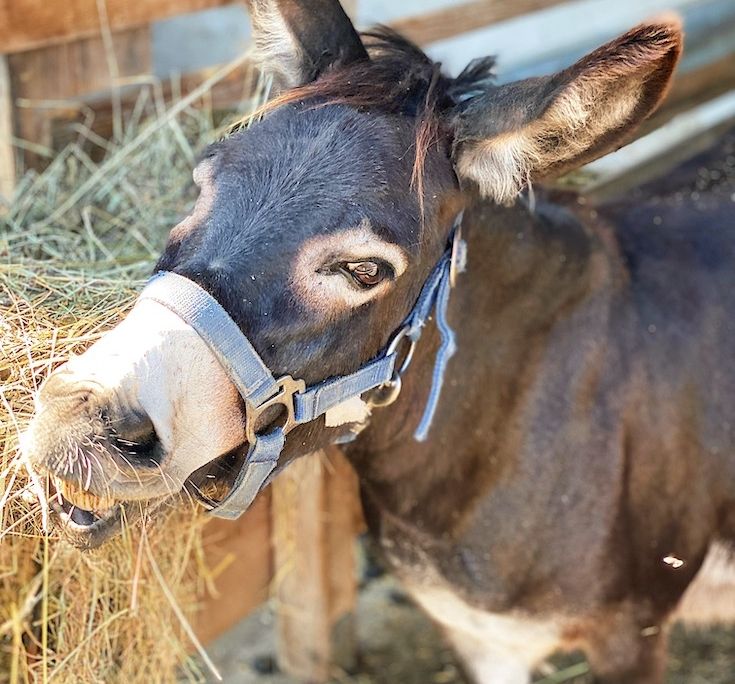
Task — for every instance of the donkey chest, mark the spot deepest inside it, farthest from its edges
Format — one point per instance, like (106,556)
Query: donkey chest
(529,638)
(710,598)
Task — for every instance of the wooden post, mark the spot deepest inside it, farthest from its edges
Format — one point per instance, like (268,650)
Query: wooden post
(315,521)
(239,555)
(7,151)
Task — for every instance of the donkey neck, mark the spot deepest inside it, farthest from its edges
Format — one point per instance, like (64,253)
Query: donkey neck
(525,271)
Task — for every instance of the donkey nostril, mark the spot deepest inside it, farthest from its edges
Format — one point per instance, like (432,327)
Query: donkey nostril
(134,433)
(62,385)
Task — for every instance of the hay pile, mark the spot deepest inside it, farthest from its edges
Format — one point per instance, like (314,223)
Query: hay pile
(75,245)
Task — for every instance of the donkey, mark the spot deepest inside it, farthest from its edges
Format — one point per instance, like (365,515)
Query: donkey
(575,464)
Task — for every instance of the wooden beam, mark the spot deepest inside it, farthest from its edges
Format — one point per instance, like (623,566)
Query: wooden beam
(541,42)
(451,21)
(314,504)
(27,24)
(7,150)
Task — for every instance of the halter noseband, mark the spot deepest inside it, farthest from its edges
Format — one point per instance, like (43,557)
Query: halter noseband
(261,391)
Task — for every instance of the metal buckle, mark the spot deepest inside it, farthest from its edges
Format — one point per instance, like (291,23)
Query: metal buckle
(287,388)
(388,392)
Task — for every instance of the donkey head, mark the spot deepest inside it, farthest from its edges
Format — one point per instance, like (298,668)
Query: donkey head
(315,229)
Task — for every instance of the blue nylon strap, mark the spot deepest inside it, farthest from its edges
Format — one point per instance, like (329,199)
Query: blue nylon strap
(202,312)
(260,462)
(319,399)
(446,350)
(427,299)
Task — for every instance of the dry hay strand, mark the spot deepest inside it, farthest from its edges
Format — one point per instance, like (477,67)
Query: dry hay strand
(70,265)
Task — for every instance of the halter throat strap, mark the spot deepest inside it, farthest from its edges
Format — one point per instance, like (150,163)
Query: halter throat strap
(261,390)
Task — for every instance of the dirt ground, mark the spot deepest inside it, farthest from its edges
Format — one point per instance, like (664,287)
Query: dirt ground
(399,645)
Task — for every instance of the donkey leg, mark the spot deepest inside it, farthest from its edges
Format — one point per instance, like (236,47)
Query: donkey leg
(486,663)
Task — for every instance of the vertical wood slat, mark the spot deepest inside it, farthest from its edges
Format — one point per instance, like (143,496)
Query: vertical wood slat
(7,150)
(315,581)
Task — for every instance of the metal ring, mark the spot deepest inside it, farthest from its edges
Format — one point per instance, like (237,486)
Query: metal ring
(393,349)
(397,338)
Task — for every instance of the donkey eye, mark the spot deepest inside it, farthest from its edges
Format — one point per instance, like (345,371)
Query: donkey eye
(367,274)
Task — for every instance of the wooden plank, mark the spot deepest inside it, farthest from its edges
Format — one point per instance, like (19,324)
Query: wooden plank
(52,80)
(239,552)
(457,19)
(7,150)
(343,520)
(300,586)
(73,70)
(315,584)
(541,42)
(28,24)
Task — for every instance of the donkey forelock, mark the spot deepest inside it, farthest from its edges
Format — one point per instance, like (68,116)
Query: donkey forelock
(399,78)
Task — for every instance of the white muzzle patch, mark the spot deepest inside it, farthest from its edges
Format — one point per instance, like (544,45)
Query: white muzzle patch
(156,363)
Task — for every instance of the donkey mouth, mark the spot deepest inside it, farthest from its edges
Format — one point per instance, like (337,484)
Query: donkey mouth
(87,521)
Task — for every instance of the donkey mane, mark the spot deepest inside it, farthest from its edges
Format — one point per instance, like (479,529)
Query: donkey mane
(399,78)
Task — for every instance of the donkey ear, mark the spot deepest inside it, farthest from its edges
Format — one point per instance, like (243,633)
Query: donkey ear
(297,40)
(542,127)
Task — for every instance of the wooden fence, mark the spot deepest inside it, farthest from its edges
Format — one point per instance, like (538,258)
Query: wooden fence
(59,58)
(62,58)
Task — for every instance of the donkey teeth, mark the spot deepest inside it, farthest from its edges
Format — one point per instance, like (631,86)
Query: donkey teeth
(82,499)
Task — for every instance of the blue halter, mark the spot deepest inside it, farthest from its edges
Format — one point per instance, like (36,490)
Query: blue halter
(261,391)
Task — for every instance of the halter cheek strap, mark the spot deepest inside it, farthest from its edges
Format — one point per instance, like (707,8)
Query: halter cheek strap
(261,390)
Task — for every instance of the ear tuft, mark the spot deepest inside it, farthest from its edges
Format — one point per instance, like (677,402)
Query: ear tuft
(665,30)
(654,46)
(501,166)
